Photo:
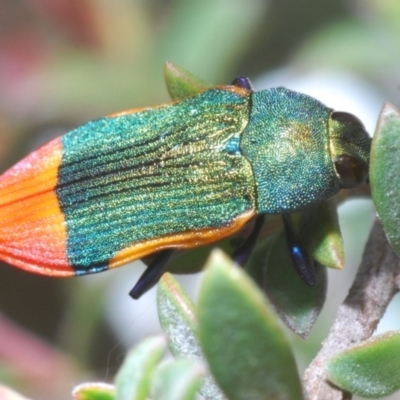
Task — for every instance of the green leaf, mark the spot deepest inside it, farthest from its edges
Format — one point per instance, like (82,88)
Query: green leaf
(241,337)
(94,391)
(177,380)
(256,264)
(133,379)
(176,314)
(177,318)
(297,304)
(181,83)
(384,173)
(371,369)
(320,232)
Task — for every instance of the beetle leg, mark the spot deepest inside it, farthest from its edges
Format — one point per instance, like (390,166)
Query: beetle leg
(302,261)
(152,274)
(243,252)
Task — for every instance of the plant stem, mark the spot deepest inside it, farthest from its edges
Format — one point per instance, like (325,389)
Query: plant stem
(376,282)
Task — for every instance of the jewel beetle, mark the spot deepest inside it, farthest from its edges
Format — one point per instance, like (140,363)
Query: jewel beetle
(177,176)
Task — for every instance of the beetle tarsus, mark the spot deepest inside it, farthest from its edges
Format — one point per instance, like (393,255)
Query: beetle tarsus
(152,274)
(243,252)
(302,261)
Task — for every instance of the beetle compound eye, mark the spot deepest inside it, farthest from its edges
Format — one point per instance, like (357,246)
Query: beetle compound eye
(352,171)
(346,118)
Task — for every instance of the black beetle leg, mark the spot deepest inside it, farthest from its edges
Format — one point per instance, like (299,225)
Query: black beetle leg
(243,252)
(302,262)
(152,274)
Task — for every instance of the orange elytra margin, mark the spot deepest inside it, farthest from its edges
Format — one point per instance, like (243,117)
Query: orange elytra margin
(32,229)
(184,240)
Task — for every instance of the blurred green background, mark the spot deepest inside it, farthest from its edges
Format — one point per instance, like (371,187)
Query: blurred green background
(68,61)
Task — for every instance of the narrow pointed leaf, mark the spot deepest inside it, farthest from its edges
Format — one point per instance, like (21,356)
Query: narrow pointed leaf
(256,265)
(94,391)
(384,173)
(320,232)
(371,369)
(177,318)
(297,304)
(133,379)
(181,83)
(176,314)
(241,337)
(178,380)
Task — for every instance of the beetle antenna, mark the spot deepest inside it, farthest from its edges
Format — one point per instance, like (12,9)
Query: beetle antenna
(152,274)
(302,261)
(243,252)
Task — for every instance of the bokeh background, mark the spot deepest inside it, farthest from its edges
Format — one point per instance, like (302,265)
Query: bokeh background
(64,62)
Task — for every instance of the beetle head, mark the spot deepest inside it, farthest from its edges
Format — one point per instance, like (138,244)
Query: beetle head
(350,146)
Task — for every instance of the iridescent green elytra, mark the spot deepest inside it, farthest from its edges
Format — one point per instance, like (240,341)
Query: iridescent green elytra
(178,176)
(167,170)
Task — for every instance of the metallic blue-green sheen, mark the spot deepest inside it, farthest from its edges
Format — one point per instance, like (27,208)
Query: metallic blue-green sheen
(144,175)
(287,144)
(196,164)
